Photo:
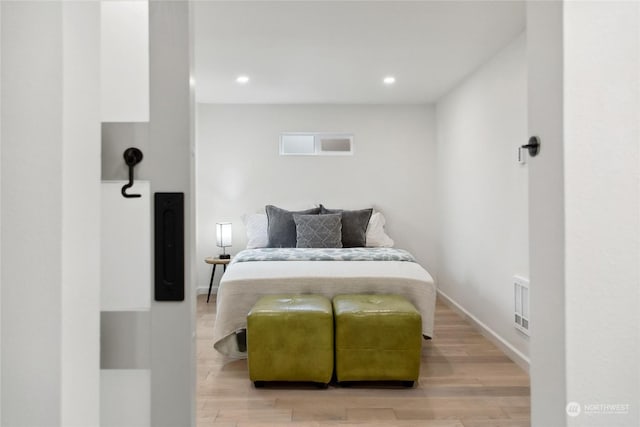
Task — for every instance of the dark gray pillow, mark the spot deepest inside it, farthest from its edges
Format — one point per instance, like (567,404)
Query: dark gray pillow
(281,229)
(354,226)
(318,231)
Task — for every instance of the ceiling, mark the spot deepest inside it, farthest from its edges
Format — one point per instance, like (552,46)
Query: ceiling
(326,52)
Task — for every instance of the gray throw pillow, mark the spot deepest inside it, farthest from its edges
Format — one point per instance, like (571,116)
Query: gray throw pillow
(318,231)
(354,226)
(281,229)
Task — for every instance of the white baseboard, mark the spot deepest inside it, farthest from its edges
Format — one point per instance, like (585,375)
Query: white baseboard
(513,353)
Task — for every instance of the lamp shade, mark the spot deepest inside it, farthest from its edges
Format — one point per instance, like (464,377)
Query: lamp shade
(223,234)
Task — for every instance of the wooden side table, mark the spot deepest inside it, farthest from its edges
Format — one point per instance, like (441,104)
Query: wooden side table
(215,261)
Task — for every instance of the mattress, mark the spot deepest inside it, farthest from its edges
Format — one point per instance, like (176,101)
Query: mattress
(329,272)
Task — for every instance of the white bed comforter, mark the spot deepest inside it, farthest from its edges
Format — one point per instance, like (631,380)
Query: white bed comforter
(245,282)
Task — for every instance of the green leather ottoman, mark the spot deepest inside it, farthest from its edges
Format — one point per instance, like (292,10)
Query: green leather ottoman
(378,338)
(290,338)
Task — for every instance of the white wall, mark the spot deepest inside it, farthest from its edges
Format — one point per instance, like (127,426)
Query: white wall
(482,191)
(602,199)
(124,61)
(546,213)
(238,169)
(80,305)
(584,211)
(50,217)
(0,217)
(29,309)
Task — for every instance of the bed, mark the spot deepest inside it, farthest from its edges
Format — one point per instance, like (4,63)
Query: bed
(267,271)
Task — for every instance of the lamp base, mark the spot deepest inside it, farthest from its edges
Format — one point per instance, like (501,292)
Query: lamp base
(224,256)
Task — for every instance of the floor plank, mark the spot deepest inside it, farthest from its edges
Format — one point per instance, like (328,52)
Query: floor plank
(465,381)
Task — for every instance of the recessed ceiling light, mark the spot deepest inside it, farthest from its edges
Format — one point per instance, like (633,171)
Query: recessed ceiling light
(242,79)
(389,80)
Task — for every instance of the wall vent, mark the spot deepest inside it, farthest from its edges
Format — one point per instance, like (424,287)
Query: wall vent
(521,304)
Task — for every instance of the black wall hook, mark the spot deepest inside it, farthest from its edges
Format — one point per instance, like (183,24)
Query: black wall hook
(132,156)
(533,146)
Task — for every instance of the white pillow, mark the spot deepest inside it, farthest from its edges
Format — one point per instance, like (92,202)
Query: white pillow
(256,225)
(376,237)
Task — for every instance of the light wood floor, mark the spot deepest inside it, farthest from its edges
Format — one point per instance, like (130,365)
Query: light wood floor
(465,381)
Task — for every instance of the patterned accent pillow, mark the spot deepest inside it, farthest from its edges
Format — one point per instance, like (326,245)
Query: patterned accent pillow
(318,231)
(281,229)
(354,225)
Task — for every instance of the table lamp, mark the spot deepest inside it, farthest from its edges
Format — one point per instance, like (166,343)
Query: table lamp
(223,237)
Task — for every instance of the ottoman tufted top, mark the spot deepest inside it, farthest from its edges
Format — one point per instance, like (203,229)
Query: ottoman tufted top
(373,304)
(272,304)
